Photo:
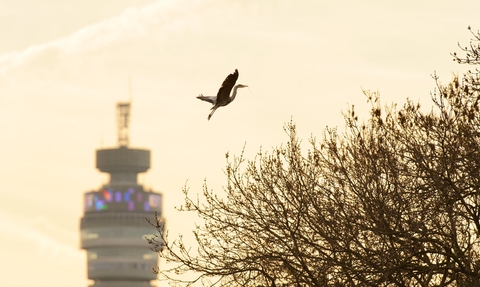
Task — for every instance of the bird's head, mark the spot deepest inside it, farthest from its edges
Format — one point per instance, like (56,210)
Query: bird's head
(242,86)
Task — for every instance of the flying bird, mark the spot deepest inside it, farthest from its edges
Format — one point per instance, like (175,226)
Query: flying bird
(223,97)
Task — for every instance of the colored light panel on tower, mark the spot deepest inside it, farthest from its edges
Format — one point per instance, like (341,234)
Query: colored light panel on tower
(88,200)
(108,194)
(146,206)
(99,204)
(118,196)
(108,200)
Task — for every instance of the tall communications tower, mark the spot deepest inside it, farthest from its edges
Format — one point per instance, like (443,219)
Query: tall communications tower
(113,228)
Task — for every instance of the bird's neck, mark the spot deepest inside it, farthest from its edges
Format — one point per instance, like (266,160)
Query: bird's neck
(234,93)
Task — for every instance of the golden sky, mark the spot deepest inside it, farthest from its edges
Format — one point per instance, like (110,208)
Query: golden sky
(64,65)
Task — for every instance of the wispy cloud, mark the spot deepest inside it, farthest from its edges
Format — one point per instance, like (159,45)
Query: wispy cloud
(40,232)
(164,15)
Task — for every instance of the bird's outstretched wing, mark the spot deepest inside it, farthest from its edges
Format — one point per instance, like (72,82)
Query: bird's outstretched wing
(223,95)
(211,100)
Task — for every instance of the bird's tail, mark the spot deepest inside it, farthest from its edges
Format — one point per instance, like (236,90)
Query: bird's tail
(207,99)
(211,113)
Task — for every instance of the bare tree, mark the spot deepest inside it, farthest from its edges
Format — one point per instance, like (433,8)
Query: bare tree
(392,201)
(472,57)
(472,51)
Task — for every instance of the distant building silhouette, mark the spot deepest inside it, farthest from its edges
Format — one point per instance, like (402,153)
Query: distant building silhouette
(113,228)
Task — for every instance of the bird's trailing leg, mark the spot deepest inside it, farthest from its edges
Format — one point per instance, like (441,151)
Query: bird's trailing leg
(211,113)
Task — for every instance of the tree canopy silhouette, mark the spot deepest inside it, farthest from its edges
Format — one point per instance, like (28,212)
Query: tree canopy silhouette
(392,201)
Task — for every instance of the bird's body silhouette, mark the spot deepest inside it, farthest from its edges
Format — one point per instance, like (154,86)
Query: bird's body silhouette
(223,97)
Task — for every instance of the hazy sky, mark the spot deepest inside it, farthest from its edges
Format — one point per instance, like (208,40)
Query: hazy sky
(64,65)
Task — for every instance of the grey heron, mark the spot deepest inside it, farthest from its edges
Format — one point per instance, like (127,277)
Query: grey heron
(223,97)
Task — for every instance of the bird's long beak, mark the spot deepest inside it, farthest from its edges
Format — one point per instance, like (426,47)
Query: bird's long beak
(250,90)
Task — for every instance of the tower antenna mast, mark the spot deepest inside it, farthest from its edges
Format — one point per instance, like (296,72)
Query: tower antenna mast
(123,118)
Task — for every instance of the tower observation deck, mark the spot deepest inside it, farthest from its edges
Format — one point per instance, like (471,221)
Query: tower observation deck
(113,228)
